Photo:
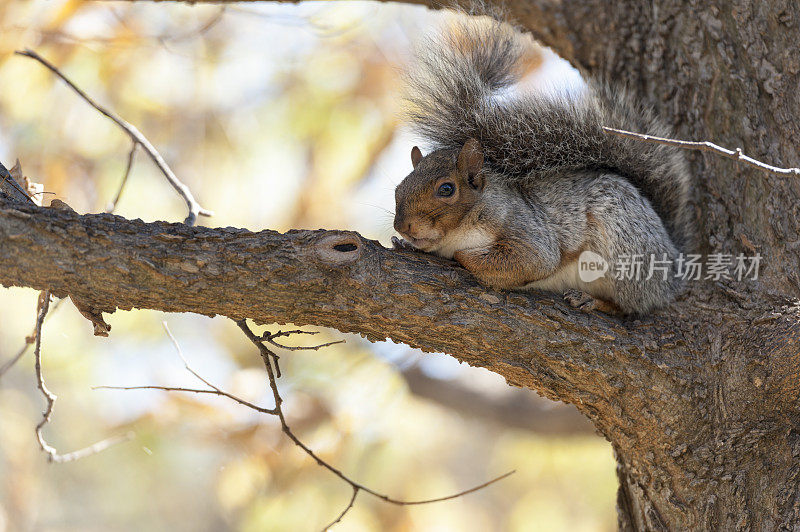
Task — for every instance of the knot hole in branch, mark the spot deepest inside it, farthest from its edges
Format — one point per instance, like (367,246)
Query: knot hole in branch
(344,248)
(339,248)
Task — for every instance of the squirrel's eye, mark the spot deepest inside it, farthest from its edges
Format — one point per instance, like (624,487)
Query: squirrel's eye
(446,189)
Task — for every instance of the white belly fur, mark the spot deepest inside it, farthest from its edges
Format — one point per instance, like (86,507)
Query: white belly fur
(461,239)
(567,277)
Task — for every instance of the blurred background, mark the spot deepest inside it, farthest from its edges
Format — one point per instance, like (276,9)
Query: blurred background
(276,116)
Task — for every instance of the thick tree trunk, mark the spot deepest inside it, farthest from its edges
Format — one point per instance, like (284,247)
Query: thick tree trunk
(725,71)
(700,401)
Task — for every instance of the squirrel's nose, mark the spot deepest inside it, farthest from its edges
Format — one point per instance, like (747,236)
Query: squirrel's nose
(402,226)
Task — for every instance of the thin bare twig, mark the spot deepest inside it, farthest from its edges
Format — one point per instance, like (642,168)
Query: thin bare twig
(50,398)
(270,339)
(214,390)
(267,356)
(90,450)
(220,393)
(44,305)
(136,136)
(275,358)
(289,333)
(344,512)
(131,154)
(302,347)
(736,154)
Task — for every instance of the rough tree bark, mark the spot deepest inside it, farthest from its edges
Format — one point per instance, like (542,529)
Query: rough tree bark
(699,401)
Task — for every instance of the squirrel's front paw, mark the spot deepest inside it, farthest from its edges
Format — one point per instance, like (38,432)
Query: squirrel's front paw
(586,302)
(401,243)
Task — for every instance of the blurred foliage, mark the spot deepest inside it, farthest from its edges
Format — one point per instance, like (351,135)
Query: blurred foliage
(276,116)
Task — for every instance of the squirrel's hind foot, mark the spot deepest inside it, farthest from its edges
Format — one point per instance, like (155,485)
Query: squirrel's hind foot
(586,302)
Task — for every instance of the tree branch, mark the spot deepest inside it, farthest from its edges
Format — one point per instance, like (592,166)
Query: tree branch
(339,279)
(335,279)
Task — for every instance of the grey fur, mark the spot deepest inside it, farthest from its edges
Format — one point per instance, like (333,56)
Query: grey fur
(555,181)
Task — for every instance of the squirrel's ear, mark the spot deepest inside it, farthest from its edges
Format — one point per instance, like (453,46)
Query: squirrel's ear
(470,163)
(416,156)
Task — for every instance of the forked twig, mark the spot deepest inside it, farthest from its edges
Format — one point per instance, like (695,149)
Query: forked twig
(214,390)
(52,454)
(136,137)
(267,356)
(270,339)
(736,154)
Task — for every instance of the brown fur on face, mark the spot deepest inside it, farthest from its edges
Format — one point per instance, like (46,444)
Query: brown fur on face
(423,216)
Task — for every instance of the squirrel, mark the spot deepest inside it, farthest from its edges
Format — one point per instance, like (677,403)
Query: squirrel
(515,189)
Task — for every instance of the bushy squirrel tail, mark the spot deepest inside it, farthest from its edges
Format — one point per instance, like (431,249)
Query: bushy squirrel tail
(458,88)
